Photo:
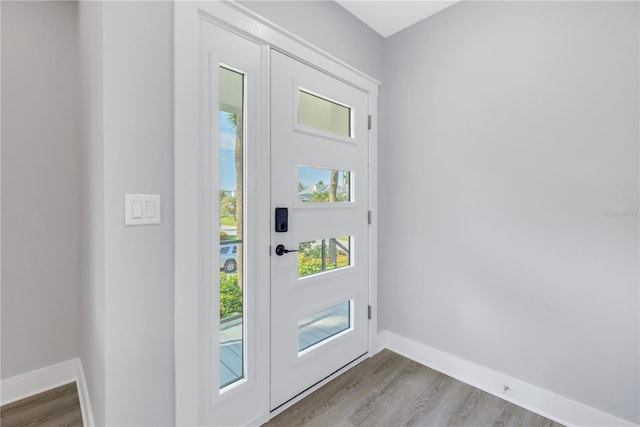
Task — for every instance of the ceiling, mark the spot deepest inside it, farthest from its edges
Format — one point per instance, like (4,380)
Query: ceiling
(387,17)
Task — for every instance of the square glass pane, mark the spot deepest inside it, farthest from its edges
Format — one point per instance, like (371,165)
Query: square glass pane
(320,326)
(320,113)
(324,185)
(317,256)
(231,235)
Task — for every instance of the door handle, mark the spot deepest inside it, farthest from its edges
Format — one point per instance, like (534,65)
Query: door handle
(281,250)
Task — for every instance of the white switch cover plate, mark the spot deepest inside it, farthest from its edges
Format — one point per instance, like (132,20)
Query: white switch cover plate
(141,209)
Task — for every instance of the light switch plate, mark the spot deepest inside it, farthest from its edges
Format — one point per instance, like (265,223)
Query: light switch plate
(141,209)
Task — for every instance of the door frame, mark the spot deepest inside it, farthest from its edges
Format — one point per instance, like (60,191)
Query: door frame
(188,181)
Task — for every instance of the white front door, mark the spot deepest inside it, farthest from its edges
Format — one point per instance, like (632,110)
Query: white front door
(319,173)
(256,130)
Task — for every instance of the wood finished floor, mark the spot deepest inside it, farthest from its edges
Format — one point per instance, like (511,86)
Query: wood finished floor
(58,407)
(390,390)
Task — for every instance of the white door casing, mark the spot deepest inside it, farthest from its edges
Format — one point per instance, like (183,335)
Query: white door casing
(220,47)
(198,400)
(292,298)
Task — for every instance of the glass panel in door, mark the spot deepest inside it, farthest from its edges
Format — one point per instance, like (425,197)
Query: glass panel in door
(324,185)
(232,351)
(318,256)
(318,327)
(324,114)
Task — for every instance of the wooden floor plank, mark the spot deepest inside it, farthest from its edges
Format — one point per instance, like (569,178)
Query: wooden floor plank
(390,390)
(59,407)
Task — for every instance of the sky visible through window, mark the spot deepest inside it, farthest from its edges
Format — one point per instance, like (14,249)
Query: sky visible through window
(309,176)
(227,152)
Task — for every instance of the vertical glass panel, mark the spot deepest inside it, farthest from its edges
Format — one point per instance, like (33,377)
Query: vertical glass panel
(320,113)
(323,185)
(317,256)
(231,208)
(324,324)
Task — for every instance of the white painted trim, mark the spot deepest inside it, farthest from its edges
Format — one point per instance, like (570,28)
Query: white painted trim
(233,14)
(201,39)
(237,18)
(83,394)
(289,43)
(34,382)
(374,346)
(186,239)
(535,399)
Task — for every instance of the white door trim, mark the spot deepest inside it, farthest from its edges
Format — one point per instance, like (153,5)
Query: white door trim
(248,22)
(187,179)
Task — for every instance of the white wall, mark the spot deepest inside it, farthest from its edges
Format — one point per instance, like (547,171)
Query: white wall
(509,132)
(93,326)
(138,158)
(40,186)
(127,50)
(328,26)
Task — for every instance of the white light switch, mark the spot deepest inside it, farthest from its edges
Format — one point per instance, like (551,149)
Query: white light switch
(150,209)
(136,207)
(141,209)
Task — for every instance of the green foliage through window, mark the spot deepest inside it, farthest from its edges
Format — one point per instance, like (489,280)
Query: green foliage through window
(230,295)
(310,261)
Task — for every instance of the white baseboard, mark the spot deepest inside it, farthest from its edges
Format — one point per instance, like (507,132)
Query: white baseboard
(34,382)
(535,399)
(83,394)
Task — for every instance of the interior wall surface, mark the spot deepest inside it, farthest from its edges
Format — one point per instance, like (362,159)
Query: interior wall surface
(92,292)
(138,159)
(509,193)
(40,186)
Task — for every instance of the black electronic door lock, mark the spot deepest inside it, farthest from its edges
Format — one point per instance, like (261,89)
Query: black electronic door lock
(282,220)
